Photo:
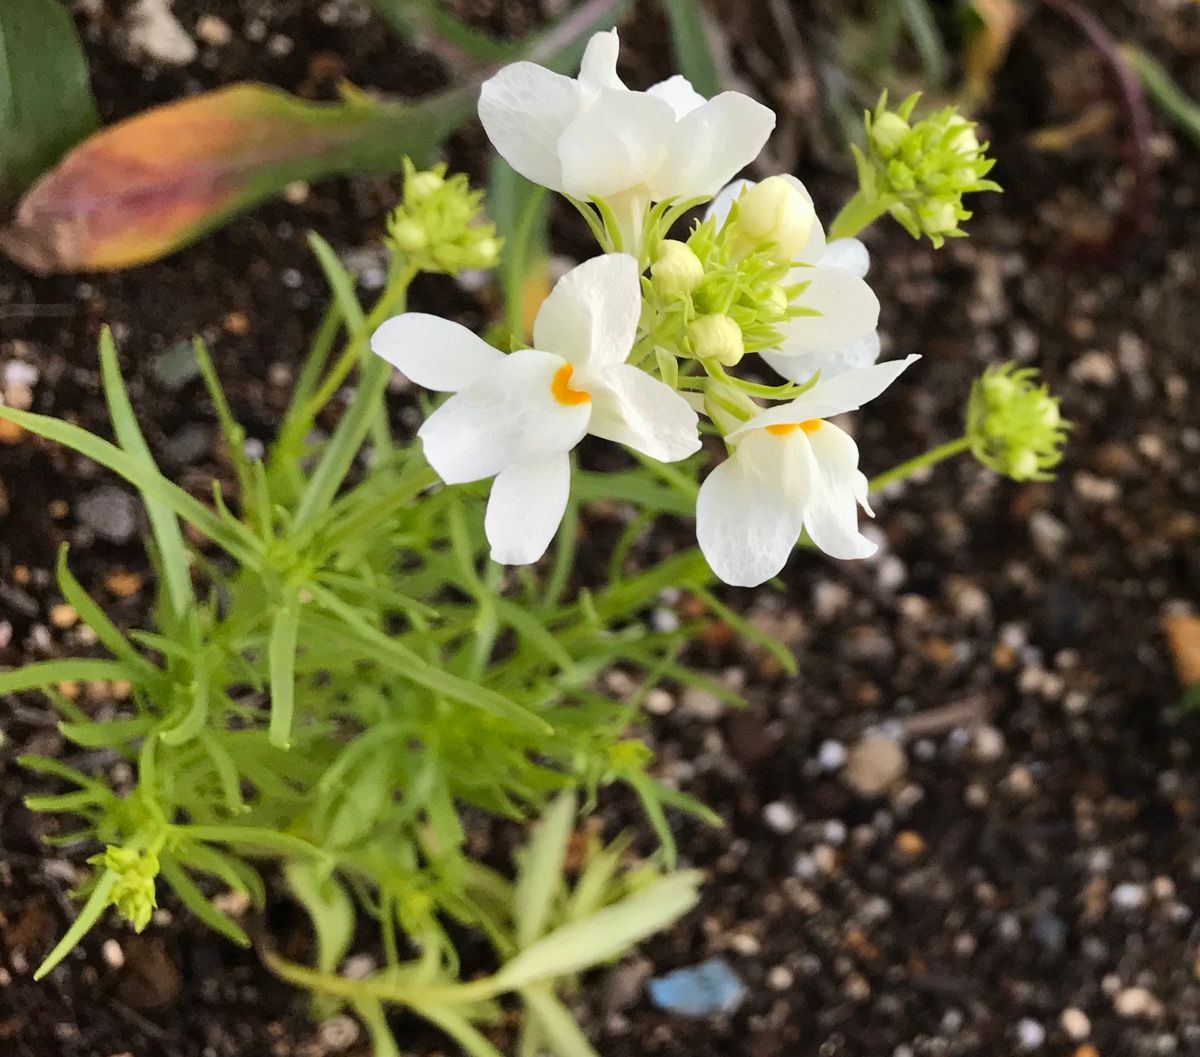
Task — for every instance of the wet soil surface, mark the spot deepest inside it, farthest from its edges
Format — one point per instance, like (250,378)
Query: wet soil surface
(1024,876)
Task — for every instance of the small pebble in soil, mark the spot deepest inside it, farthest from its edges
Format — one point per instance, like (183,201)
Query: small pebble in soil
(1030,1034)
(1136,1002)
(339,1033)
(1129,896)
(708,989)
(873,765)
(110,513)
(1075,1023)
(780,816)
(155,32)
(831,755)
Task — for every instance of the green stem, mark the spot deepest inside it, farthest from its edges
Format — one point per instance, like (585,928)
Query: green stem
(856,215)
(929,458)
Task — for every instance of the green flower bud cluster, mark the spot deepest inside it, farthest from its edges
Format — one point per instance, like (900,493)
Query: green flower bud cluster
(1014,425)
(133,892)
(725,291)
(439,226)
(919,171)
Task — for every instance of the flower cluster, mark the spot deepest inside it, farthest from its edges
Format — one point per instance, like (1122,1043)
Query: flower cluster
(437,226)
(131,875)
(1014,424)
(919,172)
(635,345)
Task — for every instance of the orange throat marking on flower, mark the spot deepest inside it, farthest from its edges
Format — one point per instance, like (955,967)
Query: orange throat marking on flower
(560,388)
(809,425)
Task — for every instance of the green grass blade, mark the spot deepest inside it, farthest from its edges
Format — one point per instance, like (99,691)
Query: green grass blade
(281,663)
(88,916)
(927,39)
(241,545)
(75,669)
(541,870)
(193,899)
(689,44)
(168,537)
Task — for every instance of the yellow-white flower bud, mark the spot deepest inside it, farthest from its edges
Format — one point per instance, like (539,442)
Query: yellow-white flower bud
(888,131)
(937,218)
(717,337)
(421,185)
(677,271)
(409,236)
(964,141)
(776,212)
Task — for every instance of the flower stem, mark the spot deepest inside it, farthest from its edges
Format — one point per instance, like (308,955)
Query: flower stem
(929,458)
(859,213)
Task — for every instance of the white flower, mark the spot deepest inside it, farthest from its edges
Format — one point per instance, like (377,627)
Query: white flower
(843,336)
(790,470)
(593,138)
(516,417)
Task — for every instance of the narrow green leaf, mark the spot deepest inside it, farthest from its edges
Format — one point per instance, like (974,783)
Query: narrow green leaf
(1173,100)
(172,552)
(565,1036)
(76,669)
(193,899)
(46,103)
(281,663)
(411,666)
(542,869)
(88,916)
(606,934)
(926,37)
(96,619)
(329,908)
(689,43)
(240,545)
(460,1029)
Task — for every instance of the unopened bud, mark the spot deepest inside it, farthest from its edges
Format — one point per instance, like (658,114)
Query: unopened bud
(1014,424)
(420,185)
(409,236)
(717,338)
(776,213)
(964,141)
(937,218)
(888,131)
(677,271)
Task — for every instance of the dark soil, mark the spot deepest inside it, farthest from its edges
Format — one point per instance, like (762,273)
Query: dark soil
(1025,878)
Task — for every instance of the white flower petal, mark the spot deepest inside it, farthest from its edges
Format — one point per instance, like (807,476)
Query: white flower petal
(591,315)
(720,206)
(678,91)
(861,353)
(835,396)
(849,311)
(634,409)
(749,511)
(599,66)
(710,144)
(525,109)
(831,506)
(849,254)
(526,507)
(615,145)
(509,415)
(434,352)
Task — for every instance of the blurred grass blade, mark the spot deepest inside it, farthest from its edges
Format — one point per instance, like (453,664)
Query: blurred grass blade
(172,552)
(606,934)
(555,1020)
(927,39)
(46,104)
(192,898)
(78,669)
(541,870)
(1167,95)
(689,44)
(281,658)
(145,187)
(153,486)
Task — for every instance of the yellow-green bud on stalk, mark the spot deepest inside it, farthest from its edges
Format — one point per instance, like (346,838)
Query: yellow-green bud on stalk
(439,226)
(717,337)
(1014,425)
(918,172)
(775,215)
(677,271)
(133,893)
